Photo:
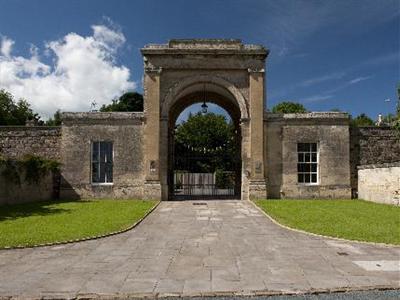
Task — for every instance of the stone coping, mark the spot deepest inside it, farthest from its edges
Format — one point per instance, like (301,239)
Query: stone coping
(102,115)
(370,127)
(333,118)
(374,131)
(72,118)
(29,128)
(204,46)
(201,43)
(377,166)
(309,115)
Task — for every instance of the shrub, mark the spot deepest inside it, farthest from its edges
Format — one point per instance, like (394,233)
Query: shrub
(33,167)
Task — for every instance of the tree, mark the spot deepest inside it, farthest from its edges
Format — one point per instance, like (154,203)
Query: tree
(288,107)
(396,123)
(362,120)
(398,104)
(56,120)
(14,112)
(130,101)
(210,137)
(201,131)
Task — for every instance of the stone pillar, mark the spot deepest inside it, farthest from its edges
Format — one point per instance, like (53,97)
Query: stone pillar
(152,188)
(246,158)
(164,156)
(257,184)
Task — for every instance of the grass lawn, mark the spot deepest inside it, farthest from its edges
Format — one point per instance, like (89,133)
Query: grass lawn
(349,219)
(44,222)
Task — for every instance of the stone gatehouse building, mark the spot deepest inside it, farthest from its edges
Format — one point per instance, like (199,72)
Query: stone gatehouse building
(127,154)
(233,75)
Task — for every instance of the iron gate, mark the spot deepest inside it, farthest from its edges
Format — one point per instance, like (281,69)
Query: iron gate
(195,175)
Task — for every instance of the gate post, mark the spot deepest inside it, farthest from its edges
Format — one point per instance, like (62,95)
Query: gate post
(257,184)
(246,158)
(152,186)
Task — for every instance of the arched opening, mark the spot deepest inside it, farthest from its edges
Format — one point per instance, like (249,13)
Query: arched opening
(204,148)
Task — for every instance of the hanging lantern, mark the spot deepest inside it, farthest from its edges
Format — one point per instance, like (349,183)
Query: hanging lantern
(204,106)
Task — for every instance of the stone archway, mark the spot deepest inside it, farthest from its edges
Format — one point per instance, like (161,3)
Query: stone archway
(233,73)
(196,83)
(191,91)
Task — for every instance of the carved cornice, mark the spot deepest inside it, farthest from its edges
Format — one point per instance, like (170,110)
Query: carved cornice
(256,70)
(152,70)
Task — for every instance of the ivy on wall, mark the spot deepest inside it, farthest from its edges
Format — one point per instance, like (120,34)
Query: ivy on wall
(30,169)
(396,125)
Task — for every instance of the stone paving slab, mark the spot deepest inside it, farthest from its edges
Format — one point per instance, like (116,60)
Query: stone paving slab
(185,249)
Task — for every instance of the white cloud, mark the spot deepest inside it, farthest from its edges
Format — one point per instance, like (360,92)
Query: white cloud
(329,94)
(323,78)
(83,70)
(347,84)
(107,37)
(6,46)
(317,98)
(359,79)
(388,58)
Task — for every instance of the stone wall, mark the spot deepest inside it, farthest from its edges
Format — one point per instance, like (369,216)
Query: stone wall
(79,130)
(330,131)
(12,192)
(71,145)
(380,183)
(15,142)
(372,145)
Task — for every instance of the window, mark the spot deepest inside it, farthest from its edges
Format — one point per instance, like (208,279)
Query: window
(307,163)
(102,162)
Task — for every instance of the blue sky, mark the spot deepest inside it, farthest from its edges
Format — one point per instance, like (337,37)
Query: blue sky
(324,54)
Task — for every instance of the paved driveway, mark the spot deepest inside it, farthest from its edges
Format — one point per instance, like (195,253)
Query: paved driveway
(186,248)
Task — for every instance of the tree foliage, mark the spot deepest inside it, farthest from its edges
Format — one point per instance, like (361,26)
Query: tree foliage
(362,120)
(14,112)
(398,100)
(288,107)
(396,124)
(56,120)
(130,101)
(210,131)
(211,139)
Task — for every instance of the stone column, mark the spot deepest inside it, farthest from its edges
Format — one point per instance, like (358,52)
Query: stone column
(152,188)
(164,156)
(246,157)
(257,184)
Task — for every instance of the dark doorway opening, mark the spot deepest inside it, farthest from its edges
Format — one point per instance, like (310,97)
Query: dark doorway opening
(205,154)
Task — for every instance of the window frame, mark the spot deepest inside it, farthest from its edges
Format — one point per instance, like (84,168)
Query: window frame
(91,162)
(318,182)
